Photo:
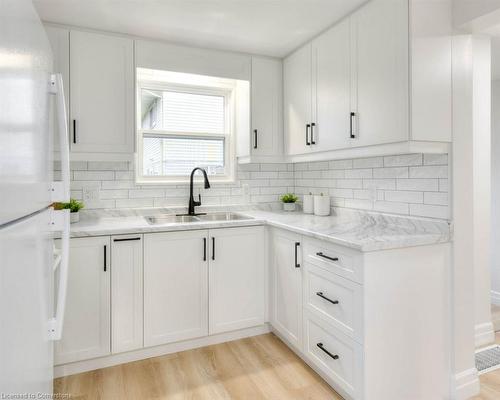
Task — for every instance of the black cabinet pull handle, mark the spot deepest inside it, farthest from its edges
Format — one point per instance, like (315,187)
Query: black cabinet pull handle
(126,239)
(320,294)
(204,249)
(334,356)
(74,131)
(312,133)
(307,135)
(353,114)
(327,257)
(213,248)
(297,244)
(255,143)
(105,256)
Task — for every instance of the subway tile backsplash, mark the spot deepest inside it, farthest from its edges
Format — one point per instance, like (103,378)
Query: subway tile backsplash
(412,184)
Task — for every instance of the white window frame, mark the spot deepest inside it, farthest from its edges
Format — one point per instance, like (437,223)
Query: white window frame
(219,89)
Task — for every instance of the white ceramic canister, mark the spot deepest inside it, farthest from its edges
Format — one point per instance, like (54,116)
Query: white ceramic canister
(321,205)
(308,204)
(289,206)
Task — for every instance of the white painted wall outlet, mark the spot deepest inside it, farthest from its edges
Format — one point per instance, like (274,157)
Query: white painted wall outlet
(90,194)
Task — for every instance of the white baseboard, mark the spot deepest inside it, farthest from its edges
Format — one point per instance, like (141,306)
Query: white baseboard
(484,334)
(495,298)
(466,385)
(141,354)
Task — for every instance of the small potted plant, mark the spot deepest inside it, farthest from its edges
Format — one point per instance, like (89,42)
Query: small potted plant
(74,207)
(289,201)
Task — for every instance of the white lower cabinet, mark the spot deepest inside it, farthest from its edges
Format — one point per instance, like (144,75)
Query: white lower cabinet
(237,279)
(126,293)
(286,292)
(175,286)
(86,330)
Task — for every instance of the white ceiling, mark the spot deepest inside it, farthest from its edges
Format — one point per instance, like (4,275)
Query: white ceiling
(270,27)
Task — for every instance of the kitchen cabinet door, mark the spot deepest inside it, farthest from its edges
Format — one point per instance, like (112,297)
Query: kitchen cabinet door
(86,330)
(297,100)
(126,293)
(379,37)
(59,42)
(332,89)
(267,107)
(175,286)
(286,314)
(237,278)
(102,93)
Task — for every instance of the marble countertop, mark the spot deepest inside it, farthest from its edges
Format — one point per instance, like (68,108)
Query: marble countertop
(363,231)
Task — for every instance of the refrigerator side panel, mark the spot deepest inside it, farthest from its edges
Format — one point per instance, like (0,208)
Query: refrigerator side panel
(26,306)
(25,138)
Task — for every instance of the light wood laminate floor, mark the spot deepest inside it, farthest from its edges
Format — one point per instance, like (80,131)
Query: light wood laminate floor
(261,367)
(490,382)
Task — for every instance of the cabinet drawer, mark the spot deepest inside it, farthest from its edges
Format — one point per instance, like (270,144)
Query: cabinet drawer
(335,299)
(340,260)
(337,356)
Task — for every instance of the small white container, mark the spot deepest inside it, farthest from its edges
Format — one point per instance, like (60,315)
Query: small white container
(74,217)
(289,206)
(322,205)
(308,204)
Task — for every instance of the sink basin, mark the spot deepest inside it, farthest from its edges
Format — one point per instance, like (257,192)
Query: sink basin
(171,219)
(222,216)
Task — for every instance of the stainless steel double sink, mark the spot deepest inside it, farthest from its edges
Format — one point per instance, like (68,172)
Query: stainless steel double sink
(185,219)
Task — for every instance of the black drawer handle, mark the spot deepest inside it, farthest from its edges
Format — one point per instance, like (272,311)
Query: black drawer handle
(255,133)
(352,135)
(74,131)
(307,135)
(334,356)
(327,257)
(297,244)
(320,294)
(126,239)
(312,133)
(105,257)
(204,249)
(213,248)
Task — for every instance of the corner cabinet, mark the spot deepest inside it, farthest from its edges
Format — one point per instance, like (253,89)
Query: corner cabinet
(87,329)
(102,93)
(377,82)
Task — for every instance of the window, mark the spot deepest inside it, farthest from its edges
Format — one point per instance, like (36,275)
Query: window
(184,121)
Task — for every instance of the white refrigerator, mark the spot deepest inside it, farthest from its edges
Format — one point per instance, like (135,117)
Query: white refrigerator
(31,271)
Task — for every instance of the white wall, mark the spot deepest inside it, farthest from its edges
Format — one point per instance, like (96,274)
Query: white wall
(495,190)
(467,13)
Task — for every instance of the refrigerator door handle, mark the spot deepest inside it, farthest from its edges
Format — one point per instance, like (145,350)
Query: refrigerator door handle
(60,190)
(60,222)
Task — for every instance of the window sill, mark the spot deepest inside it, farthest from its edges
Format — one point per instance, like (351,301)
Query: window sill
(185,182)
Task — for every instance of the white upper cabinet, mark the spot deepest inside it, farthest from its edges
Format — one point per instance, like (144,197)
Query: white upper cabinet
(102,93)
(266,107)
(380,77)
(379,40)
(59,41)
(331,89)
(297,89)
(237,278)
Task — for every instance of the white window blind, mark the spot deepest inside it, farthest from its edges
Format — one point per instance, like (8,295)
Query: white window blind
(177,156)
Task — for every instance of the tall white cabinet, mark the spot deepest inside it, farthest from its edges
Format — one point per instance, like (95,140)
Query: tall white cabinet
(102,93)
(86,330)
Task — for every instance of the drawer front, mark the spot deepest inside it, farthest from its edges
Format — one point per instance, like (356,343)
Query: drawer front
(335,299)
(337,259)
(337,356)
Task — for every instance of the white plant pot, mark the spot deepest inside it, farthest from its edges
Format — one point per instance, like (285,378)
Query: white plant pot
(308,204)
(74,217)
(289,206)
(322,205)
